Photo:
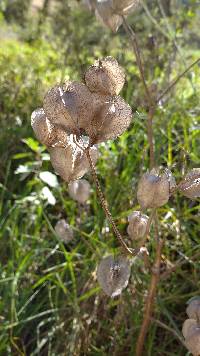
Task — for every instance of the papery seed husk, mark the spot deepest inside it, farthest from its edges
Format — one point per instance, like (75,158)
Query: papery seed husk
(105,14)
(193,309)
(113,274)
(105,76)
(67,106)
(189,326)
(45,132)
(79,190)
(137,225)
(71,163)
(190,185)
(64,231)
(153,190)
(110,120)
(193,342)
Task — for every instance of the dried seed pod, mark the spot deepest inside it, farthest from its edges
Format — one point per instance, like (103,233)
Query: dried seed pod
(106,15)
(67,106)
(64,231)
(171,179)
(137,225)
(191,333)
(110,120)
(79,190)
(190,185)
(113,274)
(45,132)
(71,163)
(105,76)
(193,309)
(153,190)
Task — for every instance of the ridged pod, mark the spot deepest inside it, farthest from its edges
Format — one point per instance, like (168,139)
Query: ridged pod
(193,309)
(137,225)
(111,120)
(71,163)
(191,333)
(113,274)
(79,190)
(64,231)
(105,76)
(190,185)
(45,132)
(153,189)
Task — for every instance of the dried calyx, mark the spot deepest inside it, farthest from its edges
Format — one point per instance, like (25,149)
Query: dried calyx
(71,162)
(190,185)
(191,327)
(110,12)
(73,110)
(153,189)
(113,274)
(137,227)
(64,231)
(79,190)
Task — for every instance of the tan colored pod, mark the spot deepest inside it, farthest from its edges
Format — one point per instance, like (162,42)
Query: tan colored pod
(193,342)
(190,185)
(45,132)
(137,225)
(113,274)
(193,309)
(64,231)
(79,190)
(67,106)
(71,163)
(105,76)
(111,120)
(189,326)
(106,15)
(153,190)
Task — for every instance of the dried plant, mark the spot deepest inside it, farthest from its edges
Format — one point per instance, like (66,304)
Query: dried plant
(113,274)
(191,327)
(79,190)
(138,224)
(64,231)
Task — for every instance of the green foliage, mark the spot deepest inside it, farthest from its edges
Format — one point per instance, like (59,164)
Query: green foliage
(50,302)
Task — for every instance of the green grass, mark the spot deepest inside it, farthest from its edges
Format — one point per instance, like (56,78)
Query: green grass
(50,300)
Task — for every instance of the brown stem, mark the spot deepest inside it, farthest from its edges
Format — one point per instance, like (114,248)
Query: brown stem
(150,100)
(148,310)
(105,207)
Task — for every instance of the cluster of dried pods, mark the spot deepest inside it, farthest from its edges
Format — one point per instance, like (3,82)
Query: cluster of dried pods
(77,117)
(191,326)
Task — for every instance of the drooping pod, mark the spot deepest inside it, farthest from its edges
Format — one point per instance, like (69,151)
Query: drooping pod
(45,132)
(71,163)
(137,227)
(79,190)
(64,231)
(105,77)
(113,274)
(191,333)
(110,12)
(153,189)
(190,185)
(111,119)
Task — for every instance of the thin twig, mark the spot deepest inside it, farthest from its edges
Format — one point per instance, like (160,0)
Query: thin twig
(150,300)
(104,205)
(176,80)
(172,331)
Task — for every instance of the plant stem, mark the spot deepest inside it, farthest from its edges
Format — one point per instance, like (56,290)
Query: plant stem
(148,310)
(150,100)
(105,207)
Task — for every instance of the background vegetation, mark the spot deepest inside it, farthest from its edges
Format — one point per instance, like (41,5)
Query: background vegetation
(50,301)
